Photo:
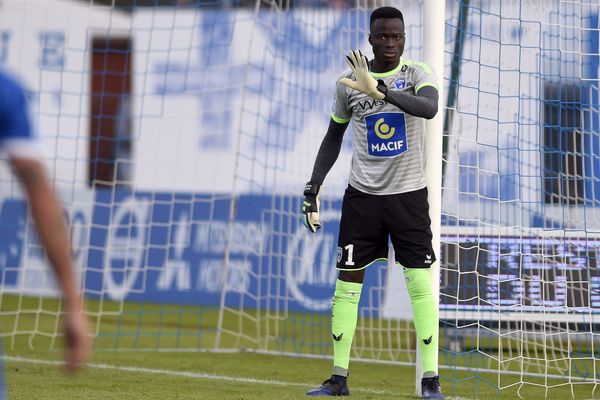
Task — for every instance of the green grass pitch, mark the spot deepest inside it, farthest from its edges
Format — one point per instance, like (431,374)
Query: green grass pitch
(163,352)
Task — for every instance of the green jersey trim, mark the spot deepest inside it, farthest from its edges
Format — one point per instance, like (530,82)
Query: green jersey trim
(422,85)
(339,120)
(392,72)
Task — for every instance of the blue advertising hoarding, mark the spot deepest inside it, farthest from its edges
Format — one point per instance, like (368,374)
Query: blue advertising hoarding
(184,248)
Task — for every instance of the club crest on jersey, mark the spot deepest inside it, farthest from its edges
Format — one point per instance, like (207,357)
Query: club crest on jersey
(400,83)
(386,134)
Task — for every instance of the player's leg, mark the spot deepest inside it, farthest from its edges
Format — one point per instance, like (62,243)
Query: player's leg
(362,240)
(344,316)
(410,230)
(426,321)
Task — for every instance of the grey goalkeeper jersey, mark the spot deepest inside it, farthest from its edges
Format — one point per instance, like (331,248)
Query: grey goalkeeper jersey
(387,144)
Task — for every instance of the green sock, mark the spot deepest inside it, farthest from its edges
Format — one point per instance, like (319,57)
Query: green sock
(344,314)
(425,315)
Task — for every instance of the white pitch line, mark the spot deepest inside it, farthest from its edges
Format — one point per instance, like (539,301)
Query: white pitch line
(185,374)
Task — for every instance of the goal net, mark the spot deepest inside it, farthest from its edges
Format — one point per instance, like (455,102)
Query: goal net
(179,136)
(520,227)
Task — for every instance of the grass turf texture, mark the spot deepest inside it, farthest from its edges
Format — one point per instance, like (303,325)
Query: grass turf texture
(129,362)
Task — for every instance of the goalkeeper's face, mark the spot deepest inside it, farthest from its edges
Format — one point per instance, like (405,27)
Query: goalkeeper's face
(387,39)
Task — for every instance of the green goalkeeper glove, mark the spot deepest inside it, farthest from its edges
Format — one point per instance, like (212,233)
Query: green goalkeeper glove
(310,206)
(364,82)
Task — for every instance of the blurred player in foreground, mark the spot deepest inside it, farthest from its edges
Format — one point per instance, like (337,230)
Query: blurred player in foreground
(387,100)
(19,147)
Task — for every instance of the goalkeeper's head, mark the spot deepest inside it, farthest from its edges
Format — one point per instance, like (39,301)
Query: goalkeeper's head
(387,36)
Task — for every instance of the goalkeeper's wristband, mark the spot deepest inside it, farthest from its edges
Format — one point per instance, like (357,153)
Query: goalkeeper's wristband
(312,189)
(382,87)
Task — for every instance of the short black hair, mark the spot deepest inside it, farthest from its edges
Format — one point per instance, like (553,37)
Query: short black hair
(386,12)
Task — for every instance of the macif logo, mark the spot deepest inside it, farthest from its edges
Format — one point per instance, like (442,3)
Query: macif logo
(386,134)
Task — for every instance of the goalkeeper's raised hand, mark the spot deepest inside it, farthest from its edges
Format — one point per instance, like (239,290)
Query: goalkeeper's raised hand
(310,206)
(364,82)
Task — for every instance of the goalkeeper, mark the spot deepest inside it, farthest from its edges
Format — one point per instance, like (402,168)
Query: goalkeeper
(387,100)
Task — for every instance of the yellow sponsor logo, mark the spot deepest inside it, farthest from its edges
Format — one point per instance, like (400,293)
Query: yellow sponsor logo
(382,130)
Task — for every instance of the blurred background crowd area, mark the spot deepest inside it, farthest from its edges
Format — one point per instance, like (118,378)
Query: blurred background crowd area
(283,4)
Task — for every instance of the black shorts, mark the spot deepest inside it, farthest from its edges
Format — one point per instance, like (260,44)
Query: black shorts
(369,221)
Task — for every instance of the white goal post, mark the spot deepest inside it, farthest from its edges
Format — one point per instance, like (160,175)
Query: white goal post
(434,24)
